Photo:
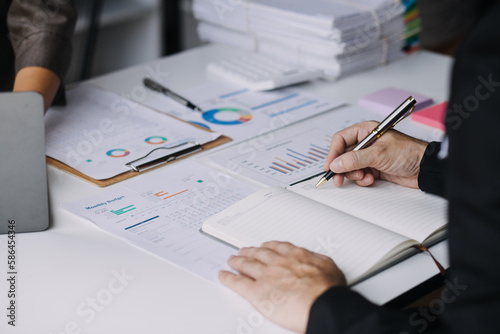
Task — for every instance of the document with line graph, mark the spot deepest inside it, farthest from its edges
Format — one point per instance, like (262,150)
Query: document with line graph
(162,212)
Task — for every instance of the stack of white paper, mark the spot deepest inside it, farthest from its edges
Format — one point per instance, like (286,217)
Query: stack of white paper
(336,36)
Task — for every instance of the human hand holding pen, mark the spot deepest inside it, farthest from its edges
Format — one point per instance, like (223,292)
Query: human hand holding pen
(394,157)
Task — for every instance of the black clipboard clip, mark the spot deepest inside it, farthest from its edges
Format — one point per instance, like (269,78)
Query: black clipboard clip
(196,147)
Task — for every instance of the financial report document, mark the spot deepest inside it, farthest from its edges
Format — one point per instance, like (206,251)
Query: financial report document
(162,212)
(298,152)
(242,114)
(99,132)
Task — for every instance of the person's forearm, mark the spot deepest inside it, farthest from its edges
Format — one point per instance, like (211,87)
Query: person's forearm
(40,80)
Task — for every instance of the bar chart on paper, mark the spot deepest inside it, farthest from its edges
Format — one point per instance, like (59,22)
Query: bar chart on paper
(286,161)
(123,210)
(290,154)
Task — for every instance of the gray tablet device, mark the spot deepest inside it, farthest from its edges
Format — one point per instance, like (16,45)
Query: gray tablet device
(23,172)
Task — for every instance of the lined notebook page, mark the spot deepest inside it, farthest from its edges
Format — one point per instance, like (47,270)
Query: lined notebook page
(409,212)
(278,214)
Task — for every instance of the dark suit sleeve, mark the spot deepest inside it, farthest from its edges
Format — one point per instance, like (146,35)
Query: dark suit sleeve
(470,301)
(472,180)
(341,310)
(41,32)
(431,177)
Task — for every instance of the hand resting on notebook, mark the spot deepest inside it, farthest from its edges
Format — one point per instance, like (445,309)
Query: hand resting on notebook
(282,281)
(394,157)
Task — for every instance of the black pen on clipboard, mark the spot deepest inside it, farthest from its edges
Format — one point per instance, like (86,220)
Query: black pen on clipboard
(153,85)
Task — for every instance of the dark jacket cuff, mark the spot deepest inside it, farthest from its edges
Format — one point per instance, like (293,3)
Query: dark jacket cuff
(341,310)
(431,177)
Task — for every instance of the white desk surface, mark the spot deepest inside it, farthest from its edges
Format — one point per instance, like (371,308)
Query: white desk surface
(62,270)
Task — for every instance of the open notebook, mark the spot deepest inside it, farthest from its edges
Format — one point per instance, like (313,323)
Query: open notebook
(362,229)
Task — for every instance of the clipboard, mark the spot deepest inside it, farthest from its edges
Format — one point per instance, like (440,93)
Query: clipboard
(137,166)
(145,163)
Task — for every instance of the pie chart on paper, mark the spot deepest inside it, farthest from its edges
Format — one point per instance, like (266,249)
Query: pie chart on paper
(118,153)
(156,140)
(227,116)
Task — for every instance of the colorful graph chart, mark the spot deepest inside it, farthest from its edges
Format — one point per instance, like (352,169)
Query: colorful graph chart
(227,116)
(295,160)
(155,140)
(166,195)
(124,210)
(285,162)
(118,153)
